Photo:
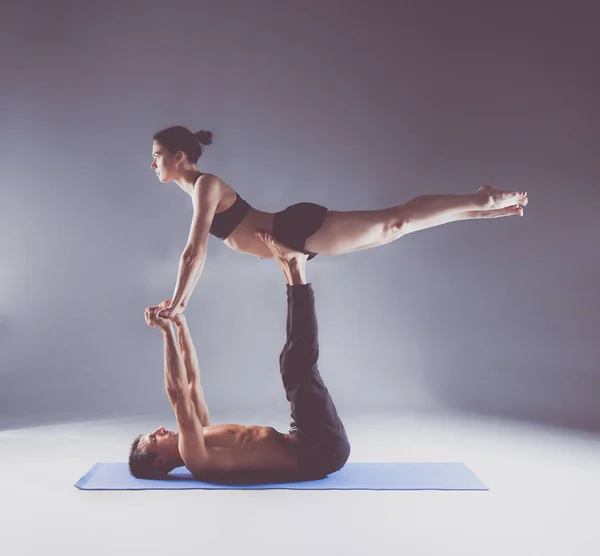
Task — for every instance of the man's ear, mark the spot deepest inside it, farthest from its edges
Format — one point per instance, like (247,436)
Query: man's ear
(158,461)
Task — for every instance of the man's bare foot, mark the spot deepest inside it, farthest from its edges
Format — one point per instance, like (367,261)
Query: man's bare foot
(281,252)
(499,199)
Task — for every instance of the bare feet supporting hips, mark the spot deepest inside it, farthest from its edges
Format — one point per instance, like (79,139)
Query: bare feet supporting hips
(343,232)
(293,263)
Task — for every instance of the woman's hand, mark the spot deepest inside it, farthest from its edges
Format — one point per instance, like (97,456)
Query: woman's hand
(168,312)
(152,319)
(163,311)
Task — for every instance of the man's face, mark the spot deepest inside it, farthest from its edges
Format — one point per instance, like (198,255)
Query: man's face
(162,442)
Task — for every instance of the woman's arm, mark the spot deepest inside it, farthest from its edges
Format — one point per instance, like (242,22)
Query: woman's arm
(195,279)
(205,199)
(190,268)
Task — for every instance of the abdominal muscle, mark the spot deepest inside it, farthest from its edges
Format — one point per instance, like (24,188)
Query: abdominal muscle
(234,448)
(243,238)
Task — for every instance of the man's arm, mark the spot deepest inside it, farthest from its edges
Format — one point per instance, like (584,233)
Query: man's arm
(191,436)
(190,359)
(205,199)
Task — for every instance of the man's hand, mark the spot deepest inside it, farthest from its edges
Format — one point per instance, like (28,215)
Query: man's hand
(170,312)
(179,319)
(165,311)
(152,317)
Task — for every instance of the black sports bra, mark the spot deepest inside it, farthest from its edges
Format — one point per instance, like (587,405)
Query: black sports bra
(225,222)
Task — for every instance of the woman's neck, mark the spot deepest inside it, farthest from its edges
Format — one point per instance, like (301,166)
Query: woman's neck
(188,179)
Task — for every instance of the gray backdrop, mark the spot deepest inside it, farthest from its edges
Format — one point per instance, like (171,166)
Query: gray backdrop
(350,104)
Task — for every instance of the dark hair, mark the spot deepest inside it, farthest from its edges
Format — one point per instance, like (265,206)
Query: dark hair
(179,138)
(141,463)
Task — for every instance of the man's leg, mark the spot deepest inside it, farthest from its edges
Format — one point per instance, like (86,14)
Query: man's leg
(322,436)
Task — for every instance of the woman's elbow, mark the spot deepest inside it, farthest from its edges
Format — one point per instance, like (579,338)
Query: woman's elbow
(193,255)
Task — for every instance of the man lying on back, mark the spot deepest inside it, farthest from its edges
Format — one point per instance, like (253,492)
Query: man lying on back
(316,443)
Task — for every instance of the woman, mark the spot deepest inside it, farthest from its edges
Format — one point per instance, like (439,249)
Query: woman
(220,211)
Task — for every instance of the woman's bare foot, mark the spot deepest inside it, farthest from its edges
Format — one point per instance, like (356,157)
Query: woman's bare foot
(514,210)
(499,199)
(281,252)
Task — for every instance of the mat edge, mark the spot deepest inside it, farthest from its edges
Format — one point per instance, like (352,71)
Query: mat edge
(84,480)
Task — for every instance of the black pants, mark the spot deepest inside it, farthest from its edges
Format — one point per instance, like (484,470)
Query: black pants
(319,437)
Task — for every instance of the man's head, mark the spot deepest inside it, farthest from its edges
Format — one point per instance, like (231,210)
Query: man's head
(153,455)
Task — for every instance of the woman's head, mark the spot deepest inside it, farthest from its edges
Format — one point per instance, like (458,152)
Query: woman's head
(176,148)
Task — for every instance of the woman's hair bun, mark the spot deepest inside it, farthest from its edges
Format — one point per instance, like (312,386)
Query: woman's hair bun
(204,137)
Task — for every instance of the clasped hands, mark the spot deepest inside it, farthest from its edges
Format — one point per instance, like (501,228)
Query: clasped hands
(160,316)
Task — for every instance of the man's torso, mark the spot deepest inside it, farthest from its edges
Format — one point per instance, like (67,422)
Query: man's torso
(238,448)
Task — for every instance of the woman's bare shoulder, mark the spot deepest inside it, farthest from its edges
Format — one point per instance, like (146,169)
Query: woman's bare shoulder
(214,182)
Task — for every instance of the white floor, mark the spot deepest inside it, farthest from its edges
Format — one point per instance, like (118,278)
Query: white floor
(544,497)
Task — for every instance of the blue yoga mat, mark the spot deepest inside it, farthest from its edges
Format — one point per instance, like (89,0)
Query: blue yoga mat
(353,476)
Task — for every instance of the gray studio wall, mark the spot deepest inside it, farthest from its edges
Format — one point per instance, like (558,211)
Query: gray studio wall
(350,104)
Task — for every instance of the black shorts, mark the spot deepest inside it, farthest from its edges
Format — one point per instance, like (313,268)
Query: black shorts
(294,225)
(318,438)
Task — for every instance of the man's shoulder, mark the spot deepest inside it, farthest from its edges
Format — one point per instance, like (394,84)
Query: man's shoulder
(192,447)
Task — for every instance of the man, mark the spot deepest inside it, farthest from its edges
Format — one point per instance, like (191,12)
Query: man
(316,444)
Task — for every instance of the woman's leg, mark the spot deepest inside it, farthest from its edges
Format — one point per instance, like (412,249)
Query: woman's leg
(343,232)
(515,210)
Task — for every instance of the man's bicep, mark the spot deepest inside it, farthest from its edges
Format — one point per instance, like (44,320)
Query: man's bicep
(183,407)
(199,402)
(191,436)
(192,447)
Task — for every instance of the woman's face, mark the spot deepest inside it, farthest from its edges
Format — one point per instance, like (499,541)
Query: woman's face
(163,163)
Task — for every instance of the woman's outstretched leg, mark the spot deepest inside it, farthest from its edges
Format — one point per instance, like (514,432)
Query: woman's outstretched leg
(343,232)
(515,210)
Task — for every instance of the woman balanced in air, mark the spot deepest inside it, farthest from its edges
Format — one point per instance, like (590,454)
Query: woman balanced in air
(220,211)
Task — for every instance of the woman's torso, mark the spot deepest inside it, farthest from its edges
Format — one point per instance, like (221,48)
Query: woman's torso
(243,238)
